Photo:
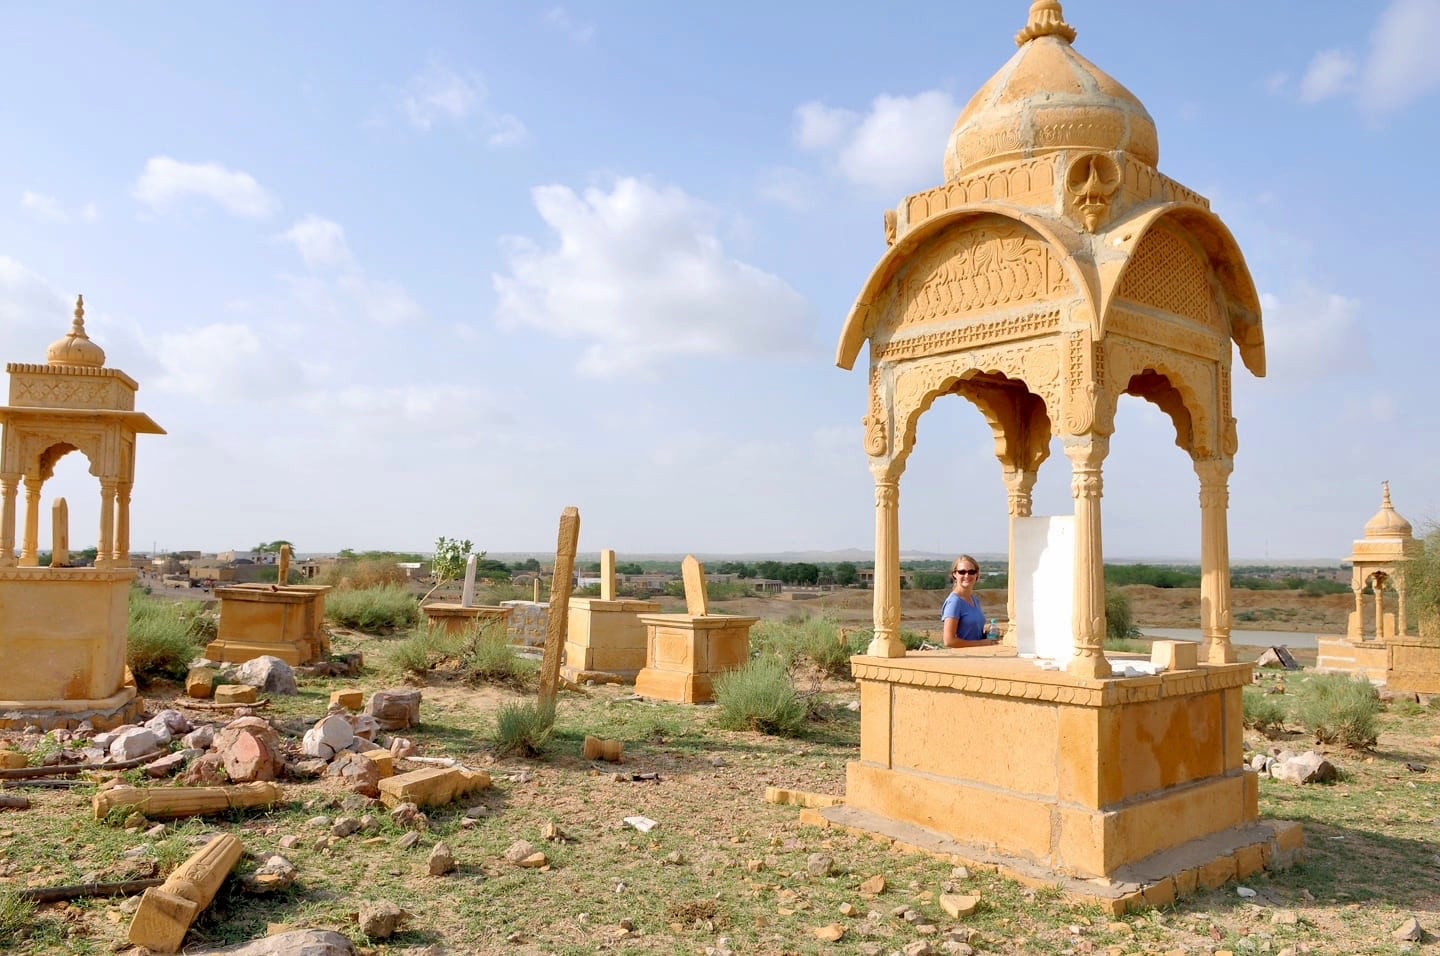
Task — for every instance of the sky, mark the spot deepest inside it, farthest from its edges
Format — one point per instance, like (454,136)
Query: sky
(390,272)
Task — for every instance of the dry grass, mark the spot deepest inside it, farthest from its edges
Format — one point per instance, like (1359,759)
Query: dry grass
(722,862)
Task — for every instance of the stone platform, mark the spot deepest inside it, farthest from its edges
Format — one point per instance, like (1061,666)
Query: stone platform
(62,640)
(1405,664)
(606,638)
(266,619)
(686,652)
(1080,778)
(457,618)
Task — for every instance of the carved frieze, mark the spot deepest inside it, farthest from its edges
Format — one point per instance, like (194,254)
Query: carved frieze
(1028,183)
(1192,378)
(1008,329)
(1091,184)
(1144,184)
(876,441)
(1168,274)
(979,267)
(45,386)
(1167,333)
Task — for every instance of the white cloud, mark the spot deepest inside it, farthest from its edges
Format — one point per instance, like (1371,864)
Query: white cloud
(1402,65)
(167,182)
(787,187)
(50,209)
(558,18)
(1329,74)
(379,300)
(1311,333)
(898,146)
(639,274)
(818,126)
(407,409)
(320,242)
(224,363)
(30,308)
(440,96)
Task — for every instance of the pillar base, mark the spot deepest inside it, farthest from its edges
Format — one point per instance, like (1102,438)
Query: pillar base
(122,707)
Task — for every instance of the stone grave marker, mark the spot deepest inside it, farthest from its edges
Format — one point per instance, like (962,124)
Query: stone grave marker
(467,594)
(607,574)
(560,586)
(60,534)
(697,595)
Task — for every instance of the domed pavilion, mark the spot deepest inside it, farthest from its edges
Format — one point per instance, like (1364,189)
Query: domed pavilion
(1055,270)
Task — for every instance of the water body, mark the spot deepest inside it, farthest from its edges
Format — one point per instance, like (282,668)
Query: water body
(1291,639)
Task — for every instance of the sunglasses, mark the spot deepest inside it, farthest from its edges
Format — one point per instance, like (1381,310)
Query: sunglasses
(967,571)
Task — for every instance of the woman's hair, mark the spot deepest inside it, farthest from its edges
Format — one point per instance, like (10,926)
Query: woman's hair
(955,565)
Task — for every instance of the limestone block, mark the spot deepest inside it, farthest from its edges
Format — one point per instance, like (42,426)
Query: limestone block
(235,694)
(303,942)
(13,760)
(432,786)
(267,673)
(1175,655)
(383,759)
(200,682)
(329,736)
(132,743)
(349,699)
(166,911)
(395,709)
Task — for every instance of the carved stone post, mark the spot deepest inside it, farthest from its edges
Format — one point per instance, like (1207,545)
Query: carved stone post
(122,525)
(887,642)
(166,912)
(1379,588)
(60,534)
(30,550)
(1357,620)
(1020,485)
(9,485)
(1086,453)
(1214,476)
(1402,626)
(104,553)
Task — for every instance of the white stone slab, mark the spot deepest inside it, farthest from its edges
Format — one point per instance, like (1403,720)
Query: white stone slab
(1044,572)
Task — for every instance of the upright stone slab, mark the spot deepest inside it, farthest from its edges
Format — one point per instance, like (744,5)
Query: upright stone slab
(605,638)
(282,566)
(561,583)
(467,593)
(60,534)
(684,653)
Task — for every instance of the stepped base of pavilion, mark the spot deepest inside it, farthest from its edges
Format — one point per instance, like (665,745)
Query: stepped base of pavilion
(1405,664)
(1084,779)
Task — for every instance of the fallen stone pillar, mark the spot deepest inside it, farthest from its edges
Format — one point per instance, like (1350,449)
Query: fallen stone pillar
(168,803)
(166,911)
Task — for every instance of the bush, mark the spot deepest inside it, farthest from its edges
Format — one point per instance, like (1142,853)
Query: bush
(425,647)
(760,696)
(488,657)
(1339,708)
(16,918)
(163,638)
(363,574)
(376,610)
(523,728)
(1264,712)
(1119,623)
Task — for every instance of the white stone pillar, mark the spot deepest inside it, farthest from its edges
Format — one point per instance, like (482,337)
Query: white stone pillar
(1020,486)
(1086,454)
(1379,608)
(887,642)
(467,594)
(1214,476)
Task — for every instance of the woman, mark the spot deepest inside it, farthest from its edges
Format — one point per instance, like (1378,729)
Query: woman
(964,622)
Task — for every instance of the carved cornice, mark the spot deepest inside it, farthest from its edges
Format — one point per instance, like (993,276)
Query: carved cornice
(1009,329)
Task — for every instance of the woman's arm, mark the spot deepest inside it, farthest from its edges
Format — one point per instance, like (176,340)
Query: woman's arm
(951,632)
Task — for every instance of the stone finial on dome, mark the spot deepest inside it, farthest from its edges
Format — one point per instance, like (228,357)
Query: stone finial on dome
(1046,20)
(1387,522)
(76,348)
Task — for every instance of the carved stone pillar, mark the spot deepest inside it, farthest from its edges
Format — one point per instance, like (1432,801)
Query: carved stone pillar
(122,525)
(1357,620)
(887,642)
(30,549)
(105,550)
(9,485)
(1019,485)
(1086,453)
(1379,588)
(1214,476)
(1402,626)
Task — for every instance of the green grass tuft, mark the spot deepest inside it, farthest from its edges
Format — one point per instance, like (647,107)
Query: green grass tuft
(16,916)
(164,637)
(523,728)
(377,610)
(761,696)
(488,658)
(1264,713)
(1339,708)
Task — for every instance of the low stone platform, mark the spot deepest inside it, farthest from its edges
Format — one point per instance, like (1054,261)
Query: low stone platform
(457,618)
(606,638)
(1405,664)
(686,652)
(1156,881)
(259,620)
(122,707)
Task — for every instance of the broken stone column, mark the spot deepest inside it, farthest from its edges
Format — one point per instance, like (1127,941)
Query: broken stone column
(166,911)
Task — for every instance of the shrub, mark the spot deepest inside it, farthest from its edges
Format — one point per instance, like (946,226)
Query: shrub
(16,917)
(1339,708)
(426,646)
(523,728)
(1264,712)
(489,658)
(760,696)
(827,647)
(363,574)
(162,639)
(376,610)
(1119,623)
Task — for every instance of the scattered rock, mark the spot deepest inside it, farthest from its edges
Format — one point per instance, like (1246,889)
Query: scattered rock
(329,736)
(873,886)
(379,919)
(134,742)
(358,772)
(820,865)
(441,860)
(1409,931)
(408,840)
(276,873)
(267,673)
(957,906)
(830,934)
(200,738)
(395,709)
(345,826)
(304,942)
(200,682)
(1244,892)
(1309,767)
(249,750)
(166,765)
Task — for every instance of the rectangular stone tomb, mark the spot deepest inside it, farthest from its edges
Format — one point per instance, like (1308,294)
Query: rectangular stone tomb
(1082,777)
(606,637)
(1405,664)
(262,619)
(685,653)
(457,618)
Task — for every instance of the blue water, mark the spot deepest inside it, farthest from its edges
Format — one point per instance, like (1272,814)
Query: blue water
(1242,638)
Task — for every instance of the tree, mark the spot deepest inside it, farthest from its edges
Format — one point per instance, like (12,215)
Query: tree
(448,564)
(1422,584)
(629,568)
(845,574)
(272,547)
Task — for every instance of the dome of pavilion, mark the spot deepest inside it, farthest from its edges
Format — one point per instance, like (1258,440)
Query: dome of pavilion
(1387,522)
(76,348)
(1047,98)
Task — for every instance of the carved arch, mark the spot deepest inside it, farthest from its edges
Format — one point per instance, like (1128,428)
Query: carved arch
(1240,309)
(1180,386)
(1064,243)
(39,453)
